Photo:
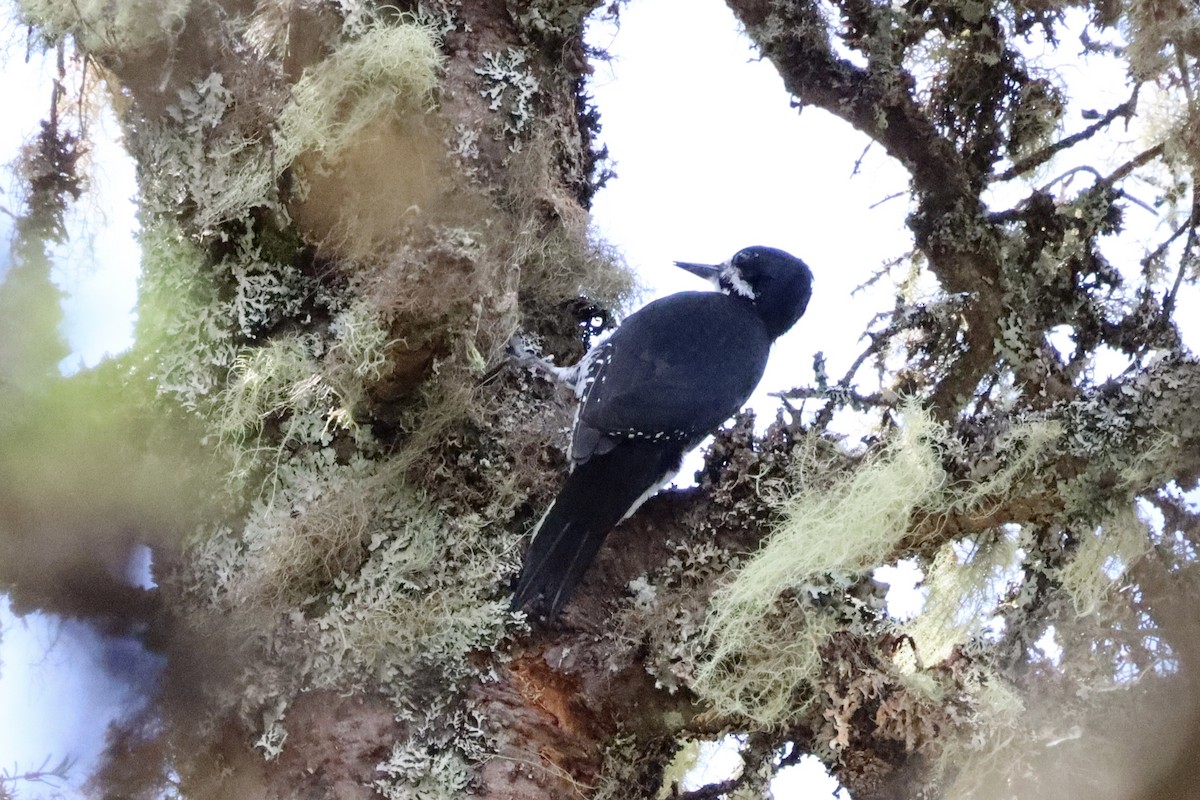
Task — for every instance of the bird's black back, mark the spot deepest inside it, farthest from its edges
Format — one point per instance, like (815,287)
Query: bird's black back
(674,370)
(666,378)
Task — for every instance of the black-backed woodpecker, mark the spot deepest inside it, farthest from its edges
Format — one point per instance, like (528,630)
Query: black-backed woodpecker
(669,375)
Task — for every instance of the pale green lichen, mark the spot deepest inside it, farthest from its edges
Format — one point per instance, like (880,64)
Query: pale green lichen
(306,385)
(266,292)
(766,654)
(116,26)
(184,332)
(414,773)
(553,19)
(189,163)
(511,88)
(962,583)
(220,172)
(311,526)
(274,735)
(847,530)
(764,629)
(282,380)
(360,342)
(387,73)
(421,602)
(1103,559)
(978,750)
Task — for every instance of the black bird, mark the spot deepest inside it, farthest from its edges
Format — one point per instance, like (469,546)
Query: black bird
(665,379)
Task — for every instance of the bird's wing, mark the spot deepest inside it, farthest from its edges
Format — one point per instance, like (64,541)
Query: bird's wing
(676,369)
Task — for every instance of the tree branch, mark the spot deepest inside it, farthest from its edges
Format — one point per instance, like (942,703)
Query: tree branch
(949,225)
(1043,155)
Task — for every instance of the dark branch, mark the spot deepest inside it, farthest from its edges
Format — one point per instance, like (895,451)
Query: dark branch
(1043,155)
(712,791)
(949,225)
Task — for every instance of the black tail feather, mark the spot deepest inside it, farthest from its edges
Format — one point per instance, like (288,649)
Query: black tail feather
(597,495)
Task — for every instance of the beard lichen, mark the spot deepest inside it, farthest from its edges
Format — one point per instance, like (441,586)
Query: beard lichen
(108,25)
(389,72)
(765,650)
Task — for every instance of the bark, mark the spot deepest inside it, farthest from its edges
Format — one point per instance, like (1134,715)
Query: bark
(346,592)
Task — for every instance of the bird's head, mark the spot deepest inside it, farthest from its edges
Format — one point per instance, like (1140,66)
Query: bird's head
(777,283)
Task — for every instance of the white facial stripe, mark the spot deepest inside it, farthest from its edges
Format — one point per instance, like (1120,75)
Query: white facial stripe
(732,278)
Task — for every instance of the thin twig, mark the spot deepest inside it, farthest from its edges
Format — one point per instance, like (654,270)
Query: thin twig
(1162,248)
(1140,160)
(1084,168)
(1102,181)
(712,791)
(858,161)
(1043,155)
(1185,258)
(891,196)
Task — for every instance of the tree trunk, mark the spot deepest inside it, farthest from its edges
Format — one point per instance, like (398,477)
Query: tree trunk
(347,211)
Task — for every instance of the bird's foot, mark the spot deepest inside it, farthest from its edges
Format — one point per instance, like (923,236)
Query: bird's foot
(525,352)
(523,349)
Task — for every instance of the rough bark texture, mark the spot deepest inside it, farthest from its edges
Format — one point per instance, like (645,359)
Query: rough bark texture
(348,209)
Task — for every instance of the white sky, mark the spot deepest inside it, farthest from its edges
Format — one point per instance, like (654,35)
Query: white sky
(710,158)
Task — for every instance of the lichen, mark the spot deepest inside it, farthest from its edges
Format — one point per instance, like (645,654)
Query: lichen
(108,25)
(1103,559)
(192,162)
(765,628)
(388,72)
(964,583)
(184,329)
(553,20)
(412,772)
(511,88)
(765,632)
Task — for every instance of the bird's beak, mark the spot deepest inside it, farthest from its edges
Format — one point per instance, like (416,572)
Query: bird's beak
(710,272)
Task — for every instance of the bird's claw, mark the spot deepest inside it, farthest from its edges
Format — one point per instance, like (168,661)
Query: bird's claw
(522,349)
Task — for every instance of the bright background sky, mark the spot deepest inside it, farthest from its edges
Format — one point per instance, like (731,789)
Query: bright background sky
(710,158)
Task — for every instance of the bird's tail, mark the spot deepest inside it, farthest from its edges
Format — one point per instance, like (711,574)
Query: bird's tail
(597,495)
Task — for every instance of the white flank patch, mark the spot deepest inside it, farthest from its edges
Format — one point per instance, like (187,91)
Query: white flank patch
(653,490)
